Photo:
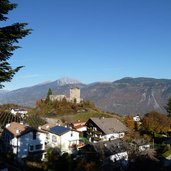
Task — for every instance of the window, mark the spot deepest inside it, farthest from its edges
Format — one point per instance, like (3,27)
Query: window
(31,148)
(34,135)
(121,135)
(94,129)
(39,147)
(54,139)
(112,138)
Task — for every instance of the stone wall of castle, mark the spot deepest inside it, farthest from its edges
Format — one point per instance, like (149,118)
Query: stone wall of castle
(74,96)
(57,97)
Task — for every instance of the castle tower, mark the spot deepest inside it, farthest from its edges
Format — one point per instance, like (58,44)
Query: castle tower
(75,95)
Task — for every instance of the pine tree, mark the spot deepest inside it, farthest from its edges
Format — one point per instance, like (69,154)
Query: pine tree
(48,95)
(9,37)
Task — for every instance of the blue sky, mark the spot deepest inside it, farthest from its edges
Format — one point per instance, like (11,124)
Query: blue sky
(92,40)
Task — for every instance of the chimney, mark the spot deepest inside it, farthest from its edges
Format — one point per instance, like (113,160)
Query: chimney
(39,128)
(7,125)
(17,131)
(101,117)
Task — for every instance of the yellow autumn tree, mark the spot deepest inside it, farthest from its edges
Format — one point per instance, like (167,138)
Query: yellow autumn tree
(129,122)
(156,122)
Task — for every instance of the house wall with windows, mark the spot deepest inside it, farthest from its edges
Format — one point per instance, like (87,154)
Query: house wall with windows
(96,135)
(64,141)
(113,136)
(23,141)
(104,129)
(30,142)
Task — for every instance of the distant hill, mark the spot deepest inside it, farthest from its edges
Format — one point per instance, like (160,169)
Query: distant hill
(130,95)
(124,96)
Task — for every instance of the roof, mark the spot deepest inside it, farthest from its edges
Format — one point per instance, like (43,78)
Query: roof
(140,141)
(111,147)
(114,146)
(59,130)
(47,126)
(78,125)
(18,129)
(109,125)
(17,109)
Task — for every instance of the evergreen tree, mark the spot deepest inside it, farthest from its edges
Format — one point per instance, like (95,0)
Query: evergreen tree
(48,95)
(9,36)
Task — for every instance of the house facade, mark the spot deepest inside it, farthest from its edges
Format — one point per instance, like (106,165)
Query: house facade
(104,129)
(21,112)
(137,118)
(23,140)
(64,138)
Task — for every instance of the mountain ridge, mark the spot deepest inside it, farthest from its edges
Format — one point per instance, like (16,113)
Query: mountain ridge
(124,96)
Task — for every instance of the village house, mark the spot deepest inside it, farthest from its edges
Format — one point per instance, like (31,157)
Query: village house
(111,151)
(45,128)
(136,118)
(79,126)
(22,140)
(21,112)
(117,151)
(64,138)
(105,129)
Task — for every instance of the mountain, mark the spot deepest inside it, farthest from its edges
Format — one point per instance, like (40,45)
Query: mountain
(131,95)
(66,80)
(29,95)
(125,96)
(3,91)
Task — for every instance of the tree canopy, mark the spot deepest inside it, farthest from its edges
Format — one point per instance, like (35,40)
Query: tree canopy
(9,37)
(156,122)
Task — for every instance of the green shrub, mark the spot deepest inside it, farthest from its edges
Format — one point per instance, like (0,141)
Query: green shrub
(167,153)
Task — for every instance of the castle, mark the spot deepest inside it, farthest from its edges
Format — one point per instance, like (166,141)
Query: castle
(73,97)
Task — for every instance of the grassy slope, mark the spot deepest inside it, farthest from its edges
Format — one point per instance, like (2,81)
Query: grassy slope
(85,116)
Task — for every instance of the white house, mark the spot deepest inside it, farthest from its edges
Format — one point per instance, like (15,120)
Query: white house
(63,138)
(22,112)
(144,147)
(136,118)
(23,140)
(105,129)
(119,156)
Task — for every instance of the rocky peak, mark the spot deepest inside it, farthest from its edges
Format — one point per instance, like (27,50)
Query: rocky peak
(66,80)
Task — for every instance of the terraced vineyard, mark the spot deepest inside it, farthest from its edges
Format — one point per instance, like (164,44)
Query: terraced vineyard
(32,120)
(6,117)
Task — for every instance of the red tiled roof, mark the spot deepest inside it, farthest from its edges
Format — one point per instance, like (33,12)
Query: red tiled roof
(17,129)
